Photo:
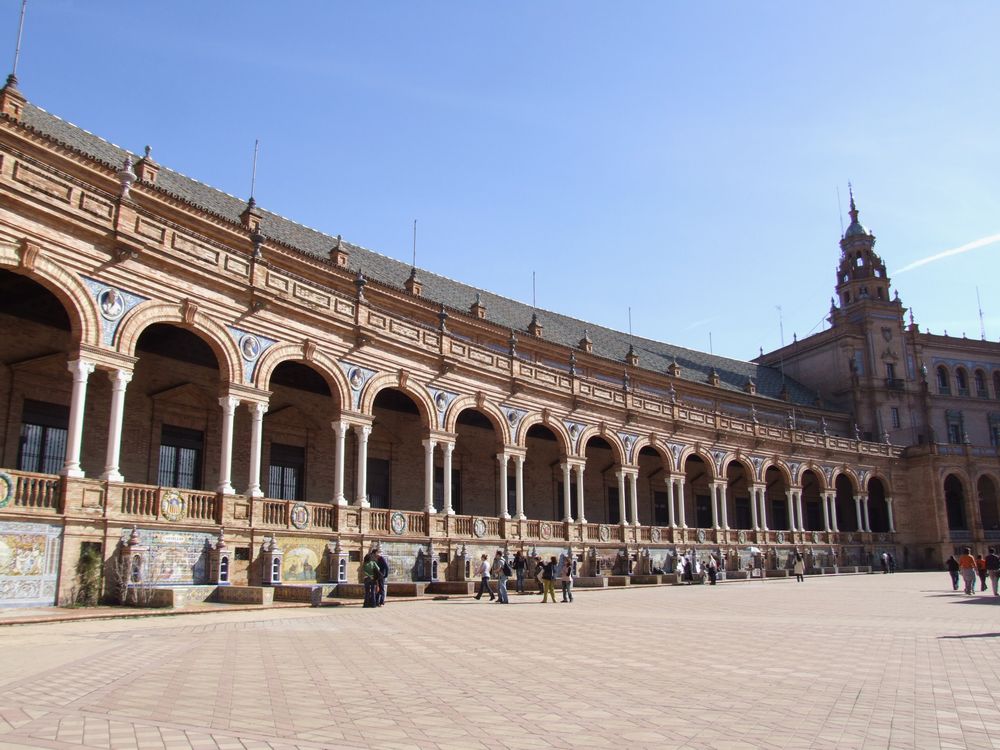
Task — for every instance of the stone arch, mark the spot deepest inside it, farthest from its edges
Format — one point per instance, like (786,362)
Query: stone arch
(419,395)
(662,451)
(817,472)
(491,411)
(190,318)
(607,436)
(882,477)
(955,489)
(988,498)
(557,427)
(324,364)
(80,305)
(742,462)
(705,456)
(851,475)
(782,468)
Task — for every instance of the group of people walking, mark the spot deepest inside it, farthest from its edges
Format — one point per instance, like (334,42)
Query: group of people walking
(546,574)
(968,568)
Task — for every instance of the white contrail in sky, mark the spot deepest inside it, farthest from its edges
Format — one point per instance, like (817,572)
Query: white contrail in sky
(974,245)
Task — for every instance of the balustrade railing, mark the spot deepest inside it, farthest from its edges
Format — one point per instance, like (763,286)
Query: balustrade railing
(274,512)
(202,507)
(140,500)
(39,492)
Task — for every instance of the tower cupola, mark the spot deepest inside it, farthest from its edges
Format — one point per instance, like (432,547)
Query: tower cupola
(861,273)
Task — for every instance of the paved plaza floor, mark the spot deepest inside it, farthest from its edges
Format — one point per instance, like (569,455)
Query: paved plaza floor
(850,662)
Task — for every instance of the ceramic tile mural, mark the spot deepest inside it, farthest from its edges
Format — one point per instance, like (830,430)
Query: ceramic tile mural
(662,559)
(304,560)
(407,561)
(29,563)
(175,557)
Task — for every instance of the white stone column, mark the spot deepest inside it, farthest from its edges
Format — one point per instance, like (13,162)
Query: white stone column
(670,502)
(361,491)
(826,512)
(566,492)
(620,476)
(519,486)
(857,509)
(798,508)
(228,404)
(864,505)
(81,370)
(754,518)
(119,381)
(833,510)
(257,410)
(340,429)
(503,459)
(713,493)
(763,507)
(722,505)
(791,510)
(429,475)
(579,493)
(633,493)
(681,509)
(447,449)
(892,522)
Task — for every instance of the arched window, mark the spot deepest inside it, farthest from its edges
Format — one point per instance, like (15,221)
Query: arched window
(980,380)
(962,381)
(944,382)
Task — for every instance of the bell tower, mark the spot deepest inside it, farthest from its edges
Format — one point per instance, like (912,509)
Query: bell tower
(861,276)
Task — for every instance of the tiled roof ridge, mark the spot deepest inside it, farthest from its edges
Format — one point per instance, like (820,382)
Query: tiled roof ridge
(697,361)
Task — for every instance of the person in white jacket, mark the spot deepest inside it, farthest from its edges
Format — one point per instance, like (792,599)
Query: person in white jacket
(484,575)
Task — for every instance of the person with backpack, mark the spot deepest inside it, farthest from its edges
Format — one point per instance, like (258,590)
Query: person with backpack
(501,571)
(993,568)
(520,564)
(370,572)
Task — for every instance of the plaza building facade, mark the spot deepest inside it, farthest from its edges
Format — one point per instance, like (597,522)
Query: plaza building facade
(217,394)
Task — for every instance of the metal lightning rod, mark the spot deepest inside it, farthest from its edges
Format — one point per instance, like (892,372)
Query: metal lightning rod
(982,325)
(17,49)
(253,175)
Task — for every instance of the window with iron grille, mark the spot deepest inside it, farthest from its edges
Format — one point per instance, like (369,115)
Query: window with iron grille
(43,437)
(286,471)
(181,451)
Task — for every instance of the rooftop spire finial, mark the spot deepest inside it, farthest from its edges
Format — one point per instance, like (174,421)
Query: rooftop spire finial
(12,79)
(253,174)
(854,208)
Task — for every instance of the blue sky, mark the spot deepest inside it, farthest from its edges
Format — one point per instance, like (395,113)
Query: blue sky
(681,159)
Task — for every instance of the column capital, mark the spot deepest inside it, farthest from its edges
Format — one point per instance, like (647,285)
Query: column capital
(257,409)
(362,431)
(428,443)
(81,368)
(447,447)
(229,403)
(120,376)
(502,458)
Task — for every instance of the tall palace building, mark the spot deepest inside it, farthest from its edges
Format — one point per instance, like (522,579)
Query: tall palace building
(216,394)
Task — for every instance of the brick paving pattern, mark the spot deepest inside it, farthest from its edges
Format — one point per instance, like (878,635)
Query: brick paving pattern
(852,662)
